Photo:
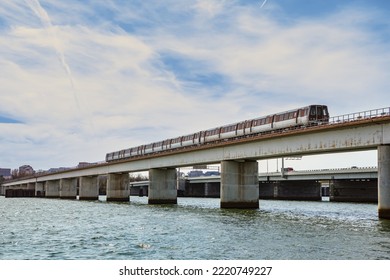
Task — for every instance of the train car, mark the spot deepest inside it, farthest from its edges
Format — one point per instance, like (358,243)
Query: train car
(305,116)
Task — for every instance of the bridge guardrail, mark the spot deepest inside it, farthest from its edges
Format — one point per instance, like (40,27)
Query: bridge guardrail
(360,115)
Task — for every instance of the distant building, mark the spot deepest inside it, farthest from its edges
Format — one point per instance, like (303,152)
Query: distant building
(5,173)
(26,170)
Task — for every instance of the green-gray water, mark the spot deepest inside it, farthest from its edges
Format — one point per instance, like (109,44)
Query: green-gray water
(195,228)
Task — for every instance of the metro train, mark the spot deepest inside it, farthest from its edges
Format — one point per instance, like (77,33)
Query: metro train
(301,117)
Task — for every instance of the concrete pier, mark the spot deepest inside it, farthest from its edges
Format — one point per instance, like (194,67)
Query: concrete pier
(31,187)
(239,184)
(39,189)
(89,188)
(384,181)
(68,188)
(52,189)
(162,186)
(118,187)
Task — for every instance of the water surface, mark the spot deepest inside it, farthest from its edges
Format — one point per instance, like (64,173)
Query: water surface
(195,228)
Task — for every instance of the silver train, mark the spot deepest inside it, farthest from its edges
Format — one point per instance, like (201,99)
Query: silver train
(305,116)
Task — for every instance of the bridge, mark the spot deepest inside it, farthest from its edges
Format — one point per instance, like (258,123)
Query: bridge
(322,174)
(341,184)
(368,130)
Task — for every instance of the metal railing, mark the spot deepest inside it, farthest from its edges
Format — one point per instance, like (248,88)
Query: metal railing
(360,115)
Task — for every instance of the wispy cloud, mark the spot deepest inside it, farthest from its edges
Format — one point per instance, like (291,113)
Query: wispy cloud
(262,4)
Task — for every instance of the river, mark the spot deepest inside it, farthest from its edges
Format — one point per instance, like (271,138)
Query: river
(194,229)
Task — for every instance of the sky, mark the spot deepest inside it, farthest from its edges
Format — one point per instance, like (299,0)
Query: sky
(79,79)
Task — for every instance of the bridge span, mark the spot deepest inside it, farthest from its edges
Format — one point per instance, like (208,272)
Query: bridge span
(367,130)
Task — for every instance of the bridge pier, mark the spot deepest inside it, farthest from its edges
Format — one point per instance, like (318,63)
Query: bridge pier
(31,187)
(39,189)
(118,187)
(68,188)
(89,188)
(239,184)
(384,181)
(52,189)
(162,186)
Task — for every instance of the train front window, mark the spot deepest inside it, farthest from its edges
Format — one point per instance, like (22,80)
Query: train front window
(313,111)
(319,112)
(325,110)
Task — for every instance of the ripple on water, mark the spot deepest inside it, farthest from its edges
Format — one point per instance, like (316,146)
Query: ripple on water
(33,228)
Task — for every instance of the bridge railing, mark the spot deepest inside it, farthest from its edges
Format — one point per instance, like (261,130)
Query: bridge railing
(361,115)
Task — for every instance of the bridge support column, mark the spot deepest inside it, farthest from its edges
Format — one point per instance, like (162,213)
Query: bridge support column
(162,186)
(118,187)
(68,188)
(52,189)
(31,186)
(239,184)
(384,181)
(89,188)
(39,190)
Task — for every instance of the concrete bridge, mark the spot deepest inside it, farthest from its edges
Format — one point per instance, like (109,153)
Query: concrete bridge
(367,130)
(342,184)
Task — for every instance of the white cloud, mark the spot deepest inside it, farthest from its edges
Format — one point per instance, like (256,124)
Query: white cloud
(125,94)
(317,59)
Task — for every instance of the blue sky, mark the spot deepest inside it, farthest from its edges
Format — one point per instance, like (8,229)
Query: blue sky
(82,78)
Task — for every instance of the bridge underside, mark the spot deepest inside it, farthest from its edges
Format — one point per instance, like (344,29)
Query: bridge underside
(239,187)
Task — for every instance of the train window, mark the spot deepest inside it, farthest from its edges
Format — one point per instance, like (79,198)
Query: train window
(229,128)
(319,112)
(166,142)
(325,109)
(304,112)
(212,132)
(313,111)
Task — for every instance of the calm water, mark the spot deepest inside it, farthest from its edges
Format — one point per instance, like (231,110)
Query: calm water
(34,228)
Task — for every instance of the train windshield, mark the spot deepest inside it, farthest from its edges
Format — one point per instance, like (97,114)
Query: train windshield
(319,113)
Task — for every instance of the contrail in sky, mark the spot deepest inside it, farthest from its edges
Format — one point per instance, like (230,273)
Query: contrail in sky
(45,19)
(262,5)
